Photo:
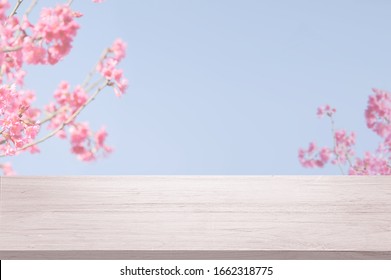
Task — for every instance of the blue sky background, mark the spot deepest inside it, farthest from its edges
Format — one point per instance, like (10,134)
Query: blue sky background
(221,86)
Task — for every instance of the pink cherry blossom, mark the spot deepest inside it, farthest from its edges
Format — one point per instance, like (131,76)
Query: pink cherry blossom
(4,5)
(7,169)
(57,28)
(119,49)
(67,103)
(100,140)
(378,112)
(314,157)
(325,110)
(343,148)
(107,67)
(79,133)
(87,144)
(18,119)
(371,165)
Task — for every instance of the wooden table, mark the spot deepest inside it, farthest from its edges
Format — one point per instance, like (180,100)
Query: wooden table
(195,217)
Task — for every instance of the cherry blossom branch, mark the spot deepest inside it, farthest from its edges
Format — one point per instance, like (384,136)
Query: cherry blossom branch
(335,144)
(64,124)
(12,49)
(47,42)
(31,7)
(17,48)
(94,85)
(93,70)
(378,162)
(349,160)
(18,3)
(52,115)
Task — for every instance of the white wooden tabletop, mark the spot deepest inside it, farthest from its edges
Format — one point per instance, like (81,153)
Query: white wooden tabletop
(195,217)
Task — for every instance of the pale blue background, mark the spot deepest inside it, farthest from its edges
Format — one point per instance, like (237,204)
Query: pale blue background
(220,86)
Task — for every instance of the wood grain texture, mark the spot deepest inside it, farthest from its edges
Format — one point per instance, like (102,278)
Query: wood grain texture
(195,217)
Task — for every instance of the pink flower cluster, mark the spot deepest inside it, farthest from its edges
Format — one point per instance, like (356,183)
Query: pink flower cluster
(313,156)
(339,154)
(11,54)
(343,148)
(4,6)
(378,112)
(18,119)
(66,103)
(46,42)
(107,67)
(325,110)
(378,119)
(55,29)
(85,143)
(7,169)
(371,165)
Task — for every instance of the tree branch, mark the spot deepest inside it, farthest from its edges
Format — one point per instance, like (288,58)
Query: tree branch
(64,124)
(12,49)
(93,70)
(52,115)
(31,7)
(15,8)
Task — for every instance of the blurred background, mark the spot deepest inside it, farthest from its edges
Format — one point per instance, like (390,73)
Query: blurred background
(220,86)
